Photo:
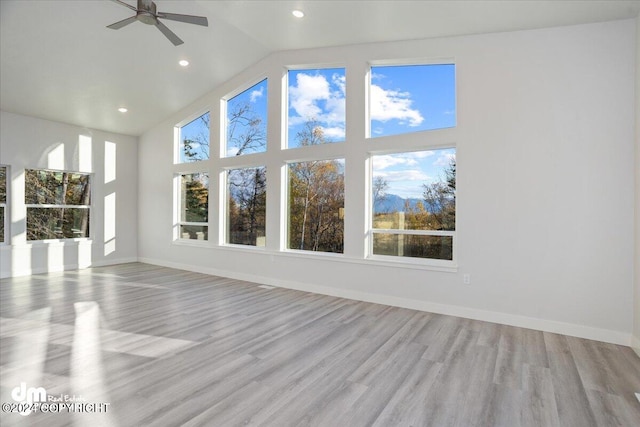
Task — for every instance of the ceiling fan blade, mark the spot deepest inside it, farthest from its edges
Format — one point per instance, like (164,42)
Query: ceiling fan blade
(120,24)
(125,4)
(169,34)
(189,19)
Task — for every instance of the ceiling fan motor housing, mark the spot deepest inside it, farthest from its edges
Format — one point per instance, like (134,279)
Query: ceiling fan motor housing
(146,12)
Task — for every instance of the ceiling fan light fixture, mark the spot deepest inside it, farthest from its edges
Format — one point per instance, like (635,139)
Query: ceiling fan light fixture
(297,13)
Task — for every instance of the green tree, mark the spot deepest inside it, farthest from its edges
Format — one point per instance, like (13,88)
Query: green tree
(196,197)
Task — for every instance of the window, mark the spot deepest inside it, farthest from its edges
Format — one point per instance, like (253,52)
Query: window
(316,106)
(3,202)
(194,140)
(247,121)
(194,206)
(414,204)
(58,204)
(316,206)
(411,98)
(246,206)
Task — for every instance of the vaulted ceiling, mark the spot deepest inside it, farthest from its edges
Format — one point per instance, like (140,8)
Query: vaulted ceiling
(58,60)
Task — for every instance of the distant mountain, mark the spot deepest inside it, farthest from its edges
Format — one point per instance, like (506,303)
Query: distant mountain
(394,203)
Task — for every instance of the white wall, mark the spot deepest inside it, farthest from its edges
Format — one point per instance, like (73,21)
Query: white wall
(636,325)
(545,146)
(26,143)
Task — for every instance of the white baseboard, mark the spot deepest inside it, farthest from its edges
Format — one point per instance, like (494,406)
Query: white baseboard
(571,329)
(67,267)
(113,262)
(635,344)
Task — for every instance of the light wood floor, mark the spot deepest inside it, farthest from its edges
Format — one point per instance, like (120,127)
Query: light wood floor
(167,347)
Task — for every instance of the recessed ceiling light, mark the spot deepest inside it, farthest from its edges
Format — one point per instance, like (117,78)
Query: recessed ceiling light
(297,13)
(122,110)
(183,62)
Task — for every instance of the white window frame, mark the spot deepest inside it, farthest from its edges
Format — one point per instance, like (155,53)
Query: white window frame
(285,145)
(424,140)
(5,206)
(371,230)
(224,129)
(225,220)
(287,207)
(179,208)
(60,206)
(177,137)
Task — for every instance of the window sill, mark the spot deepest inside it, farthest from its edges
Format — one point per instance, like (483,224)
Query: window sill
(375,260)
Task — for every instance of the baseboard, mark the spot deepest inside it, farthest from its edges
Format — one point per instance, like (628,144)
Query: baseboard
(104,263)
(635,344)
(67,267)
(571,329)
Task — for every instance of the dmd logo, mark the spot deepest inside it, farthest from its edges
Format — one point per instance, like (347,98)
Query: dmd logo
(22,394)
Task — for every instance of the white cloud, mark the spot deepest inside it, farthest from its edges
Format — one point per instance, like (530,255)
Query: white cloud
(304,96)
(390,104)
(382,162)
(312,97)
(255,94)
(405,175)
(445,159)
(333,132)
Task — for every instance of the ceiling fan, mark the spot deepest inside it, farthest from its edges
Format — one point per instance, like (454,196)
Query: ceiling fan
(147,13)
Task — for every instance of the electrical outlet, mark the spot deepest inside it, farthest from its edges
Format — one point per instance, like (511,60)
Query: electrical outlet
(466,278)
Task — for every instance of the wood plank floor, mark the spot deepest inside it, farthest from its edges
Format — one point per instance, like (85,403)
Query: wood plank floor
(167,347)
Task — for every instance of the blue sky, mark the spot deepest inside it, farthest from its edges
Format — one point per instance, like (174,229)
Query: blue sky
(256,98)
(409,99)
(402,99)
(198,132)
(412,98)
(317,94)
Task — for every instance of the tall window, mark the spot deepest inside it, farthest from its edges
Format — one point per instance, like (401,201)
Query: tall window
(316,101)
(194,206)
(193,143)
(247,121)
(410,98)
(414,204)
(3,202)
(316,206)
(58,204)
(246,206)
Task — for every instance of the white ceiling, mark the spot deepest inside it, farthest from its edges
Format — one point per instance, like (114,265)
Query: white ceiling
(58,60)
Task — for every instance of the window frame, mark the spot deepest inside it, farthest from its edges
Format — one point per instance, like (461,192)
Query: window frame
(407,63)
(61,206)
(177,137)
(285,217)
(179,223)
(435,262)
(226,221)
(5,206)
(285,143)
(419,140)
(224,128)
